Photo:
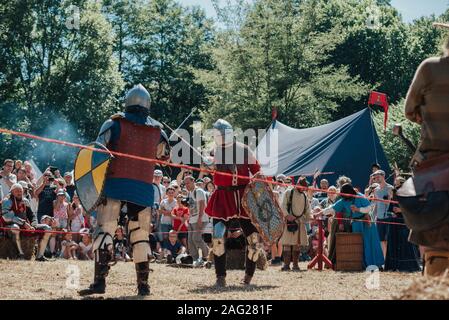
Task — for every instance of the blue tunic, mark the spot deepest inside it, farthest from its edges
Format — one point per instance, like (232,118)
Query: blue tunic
(372,250)
(134,191)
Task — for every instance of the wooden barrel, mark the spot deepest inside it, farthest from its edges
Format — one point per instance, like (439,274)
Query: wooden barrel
(349,252)
(8,247)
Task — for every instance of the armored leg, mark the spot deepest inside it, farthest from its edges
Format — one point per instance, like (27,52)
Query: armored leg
(253,249)
(107,214)
(139,233)
(219,251)
(142,271)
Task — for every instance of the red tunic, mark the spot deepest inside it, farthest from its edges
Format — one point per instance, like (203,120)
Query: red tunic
(227,204)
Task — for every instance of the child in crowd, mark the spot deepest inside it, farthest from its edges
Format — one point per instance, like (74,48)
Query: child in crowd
(85,246)
(180,215)
(121,245)
(173,247)
(68,247)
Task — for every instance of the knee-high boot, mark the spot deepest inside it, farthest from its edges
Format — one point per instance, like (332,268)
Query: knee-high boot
(295,258)
(101,271)
(142,272)
(287,258)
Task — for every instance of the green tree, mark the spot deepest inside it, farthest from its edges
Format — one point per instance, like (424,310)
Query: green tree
(56,68)
(395,149)
(277,58)
(166,44)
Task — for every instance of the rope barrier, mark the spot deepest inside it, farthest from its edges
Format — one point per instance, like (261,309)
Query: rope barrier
(202,231)
(166,163)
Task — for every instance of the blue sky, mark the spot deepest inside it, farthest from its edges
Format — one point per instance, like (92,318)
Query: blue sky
(410,9)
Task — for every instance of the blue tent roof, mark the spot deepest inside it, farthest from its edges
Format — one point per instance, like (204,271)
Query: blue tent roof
(346,147)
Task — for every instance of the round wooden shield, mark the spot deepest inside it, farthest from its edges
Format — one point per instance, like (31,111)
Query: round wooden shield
(90,174)
(262,207)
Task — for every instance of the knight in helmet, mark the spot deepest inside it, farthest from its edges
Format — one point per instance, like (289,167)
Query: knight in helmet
(238,163)
(128,182)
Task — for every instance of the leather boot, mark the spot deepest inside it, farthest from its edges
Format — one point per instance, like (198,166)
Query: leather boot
(221,282)
(101,271)
(295,257)
(247,280)
(436,263)
(287,255)
(99,284)
(142,272)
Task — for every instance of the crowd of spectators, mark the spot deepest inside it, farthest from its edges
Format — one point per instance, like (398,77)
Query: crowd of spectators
(182,231)
(385,244)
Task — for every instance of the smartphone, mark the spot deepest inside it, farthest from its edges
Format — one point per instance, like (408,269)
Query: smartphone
(53,169)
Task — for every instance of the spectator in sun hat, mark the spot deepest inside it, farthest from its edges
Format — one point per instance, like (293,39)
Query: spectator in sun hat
(26,190)
(61,209)
(68,246)
(166,181)
(85,245)
(157,181)
(383,191)
(174,185)
(279,190)
(200,183)
(70,186)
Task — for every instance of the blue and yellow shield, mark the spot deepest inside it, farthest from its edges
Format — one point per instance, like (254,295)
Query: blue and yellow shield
(90,174)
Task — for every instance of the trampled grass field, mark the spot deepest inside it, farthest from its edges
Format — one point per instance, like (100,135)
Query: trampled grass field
(52,280)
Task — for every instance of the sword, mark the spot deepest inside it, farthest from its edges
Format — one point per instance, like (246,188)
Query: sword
(182,123)
(182,139)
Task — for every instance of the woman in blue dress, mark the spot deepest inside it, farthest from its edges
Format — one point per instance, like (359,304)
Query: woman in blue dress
(358,209)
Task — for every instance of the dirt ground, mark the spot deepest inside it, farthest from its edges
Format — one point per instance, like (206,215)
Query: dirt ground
(58,280)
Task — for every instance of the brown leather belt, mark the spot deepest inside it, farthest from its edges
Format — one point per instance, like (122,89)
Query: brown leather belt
(231,188)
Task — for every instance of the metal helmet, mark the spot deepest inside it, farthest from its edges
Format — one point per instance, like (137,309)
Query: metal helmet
(138,96)
(224,133)
(222,125)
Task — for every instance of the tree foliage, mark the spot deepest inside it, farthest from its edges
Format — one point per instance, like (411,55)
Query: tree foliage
(314,60)
(395,149)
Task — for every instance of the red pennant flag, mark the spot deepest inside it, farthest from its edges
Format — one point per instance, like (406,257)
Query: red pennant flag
(274,113)
(379,99)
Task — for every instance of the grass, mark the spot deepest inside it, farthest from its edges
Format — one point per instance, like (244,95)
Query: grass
(48,280)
